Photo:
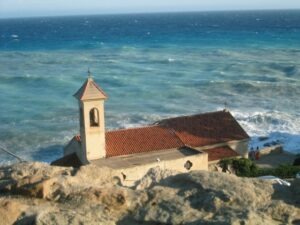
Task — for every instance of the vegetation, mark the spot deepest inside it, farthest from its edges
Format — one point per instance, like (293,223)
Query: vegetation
(241,167)
(297,160)
(247,168)
(282,171)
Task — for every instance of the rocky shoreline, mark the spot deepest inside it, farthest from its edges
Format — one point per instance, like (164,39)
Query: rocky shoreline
(36,193)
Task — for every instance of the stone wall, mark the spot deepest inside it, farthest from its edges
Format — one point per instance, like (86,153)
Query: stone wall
(276,149)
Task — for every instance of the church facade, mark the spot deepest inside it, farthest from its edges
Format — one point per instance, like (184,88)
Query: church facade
(182,143)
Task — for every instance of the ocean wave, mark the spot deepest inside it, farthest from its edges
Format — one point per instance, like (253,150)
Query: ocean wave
(279,127)
(33,146)
(288,70)
(264,122)
(122,120)
(148,77)
(14,36)
(21,78)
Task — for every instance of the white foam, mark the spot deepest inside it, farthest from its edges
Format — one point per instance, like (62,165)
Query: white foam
(14,36)
(278,127)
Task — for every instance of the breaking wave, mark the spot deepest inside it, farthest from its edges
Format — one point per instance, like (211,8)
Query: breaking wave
(275,128)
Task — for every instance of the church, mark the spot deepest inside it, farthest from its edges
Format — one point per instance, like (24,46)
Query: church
(185,143)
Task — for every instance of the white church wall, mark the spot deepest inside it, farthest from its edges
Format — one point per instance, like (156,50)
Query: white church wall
(129,176)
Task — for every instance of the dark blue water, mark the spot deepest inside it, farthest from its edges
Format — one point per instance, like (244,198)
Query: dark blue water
(154,30)
(152,66)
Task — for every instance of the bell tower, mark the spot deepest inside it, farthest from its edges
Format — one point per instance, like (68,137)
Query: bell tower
(92,122)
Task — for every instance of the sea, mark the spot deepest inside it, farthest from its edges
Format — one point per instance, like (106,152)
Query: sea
(152,66)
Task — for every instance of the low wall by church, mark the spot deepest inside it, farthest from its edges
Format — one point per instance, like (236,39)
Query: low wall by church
(129,176)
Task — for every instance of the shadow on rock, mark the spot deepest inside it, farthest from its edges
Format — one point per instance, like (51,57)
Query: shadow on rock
(288,194)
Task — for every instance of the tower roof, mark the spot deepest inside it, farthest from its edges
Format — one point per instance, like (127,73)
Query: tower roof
(90,90)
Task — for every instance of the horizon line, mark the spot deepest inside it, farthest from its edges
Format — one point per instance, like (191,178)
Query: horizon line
(151,12)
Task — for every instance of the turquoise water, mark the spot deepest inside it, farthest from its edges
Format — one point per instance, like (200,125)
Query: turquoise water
(152,67)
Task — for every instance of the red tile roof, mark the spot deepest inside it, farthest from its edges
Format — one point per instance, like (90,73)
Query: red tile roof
(206,129)
(138,140)
(195,131)
(220,153)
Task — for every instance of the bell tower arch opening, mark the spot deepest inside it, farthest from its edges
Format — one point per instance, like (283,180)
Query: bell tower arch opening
(94,117)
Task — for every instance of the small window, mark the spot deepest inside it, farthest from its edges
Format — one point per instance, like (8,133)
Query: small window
(188,165)
(94,117)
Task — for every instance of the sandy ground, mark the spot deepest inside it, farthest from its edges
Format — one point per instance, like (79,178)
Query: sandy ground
(274,160)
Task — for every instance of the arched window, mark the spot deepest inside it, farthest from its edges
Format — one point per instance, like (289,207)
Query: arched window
(94,117)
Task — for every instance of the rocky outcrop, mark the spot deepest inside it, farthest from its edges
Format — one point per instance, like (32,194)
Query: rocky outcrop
(36,193)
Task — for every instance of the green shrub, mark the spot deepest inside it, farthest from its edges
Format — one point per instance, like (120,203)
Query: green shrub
(287,171)
(247,168)
(297,161)
(265,172)
(242,167)
(224,164)
(282,171)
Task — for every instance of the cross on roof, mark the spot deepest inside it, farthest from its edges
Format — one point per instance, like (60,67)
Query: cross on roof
(225,105)
(89,73)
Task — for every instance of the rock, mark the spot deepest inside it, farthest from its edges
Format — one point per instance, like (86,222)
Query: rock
(10,211)
(60,217)
(212,198)
(152,177)
(263,138)
(295,188)
(36,193)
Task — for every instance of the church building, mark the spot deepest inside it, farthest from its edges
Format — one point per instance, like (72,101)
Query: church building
(194,142)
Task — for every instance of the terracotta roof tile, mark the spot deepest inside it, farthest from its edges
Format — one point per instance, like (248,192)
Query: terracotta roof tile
(195,131)
(206,129)
(138,140)
(220,153)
